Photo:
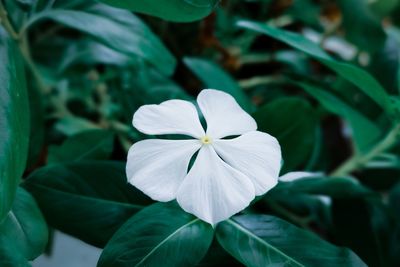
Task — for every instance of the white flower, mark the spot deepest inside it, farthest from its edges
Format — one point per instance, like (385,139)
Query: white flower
(226,175)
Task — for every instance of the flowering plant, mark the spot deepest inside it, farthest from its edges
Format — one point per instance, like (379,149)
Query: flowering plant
(291,160)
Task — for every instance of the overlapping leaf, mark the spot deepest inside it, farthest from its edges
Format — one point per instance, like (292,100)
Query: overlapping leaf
(14,121)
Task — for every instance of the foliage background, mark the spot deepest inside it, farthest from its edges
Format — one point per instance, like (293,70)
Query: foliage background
(320,75)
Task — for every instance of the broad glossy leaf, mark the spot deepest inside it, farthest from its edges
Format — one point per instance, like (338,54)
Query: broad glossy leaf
(172,10)
(119,30)
(357,76)
(14,121)
(294,123)
(37,122)
(365,131)
(213,76)
(329,186)
(89,145)
(262,240)
(89,199)
(159,235)
(10,256)
(25,227)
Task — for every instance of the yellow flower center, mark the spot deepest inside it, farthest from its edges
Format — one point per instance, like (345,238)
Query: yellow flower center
(206,140)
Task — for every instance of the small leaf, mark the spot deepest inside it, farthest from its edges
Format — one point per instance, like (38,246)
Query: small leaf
(89,199)
(172,10)
(261,240)
(14,121)
(89,145)
(159,235)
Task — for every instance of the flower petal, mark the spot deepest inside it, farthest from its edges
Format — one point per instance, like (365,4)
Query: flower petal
(169,117)
(158,167)
(256,154)
(293,176)
(212,190)
(223,114)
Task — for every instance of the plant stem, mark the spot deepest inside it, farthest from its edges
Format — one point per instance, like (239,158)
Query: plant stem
(25,51)
(6,22)
(23,44)
(358,161)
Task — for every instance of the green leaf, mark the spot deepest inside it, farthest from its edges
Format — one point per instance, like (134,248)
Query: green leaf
(361,26)
(9,255)
(90,53)
(14,121)
(213,76)
(71,125)
(88,145)
(365,131)
(23,233)
(294,123)
(88,199)
(119,30)
(329,186)
(26,5)
(172,10)
(261,240)
(357,76)
(145,86)
(160,235)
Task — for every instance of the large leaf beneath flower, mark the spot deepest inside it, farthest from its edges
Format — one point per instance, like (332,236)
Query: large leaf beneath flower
(261,240)
(294,123)
(172,10)
(160,235)
(23,233)
(119,30)
(213,76)
(14,121)
(89,199)
(357,76)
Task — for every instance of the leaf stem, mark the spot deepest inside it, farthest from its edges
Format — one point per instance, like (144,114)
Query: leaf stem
(359,160)
(25,51)
(6,22)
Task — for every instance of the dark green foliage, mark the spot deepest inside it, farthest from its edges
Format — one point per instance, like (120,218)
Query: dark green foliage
(321,76)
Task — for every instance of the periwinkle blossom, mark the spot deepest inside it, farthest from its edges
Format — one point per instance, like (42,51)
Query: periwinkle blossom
(234,164)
